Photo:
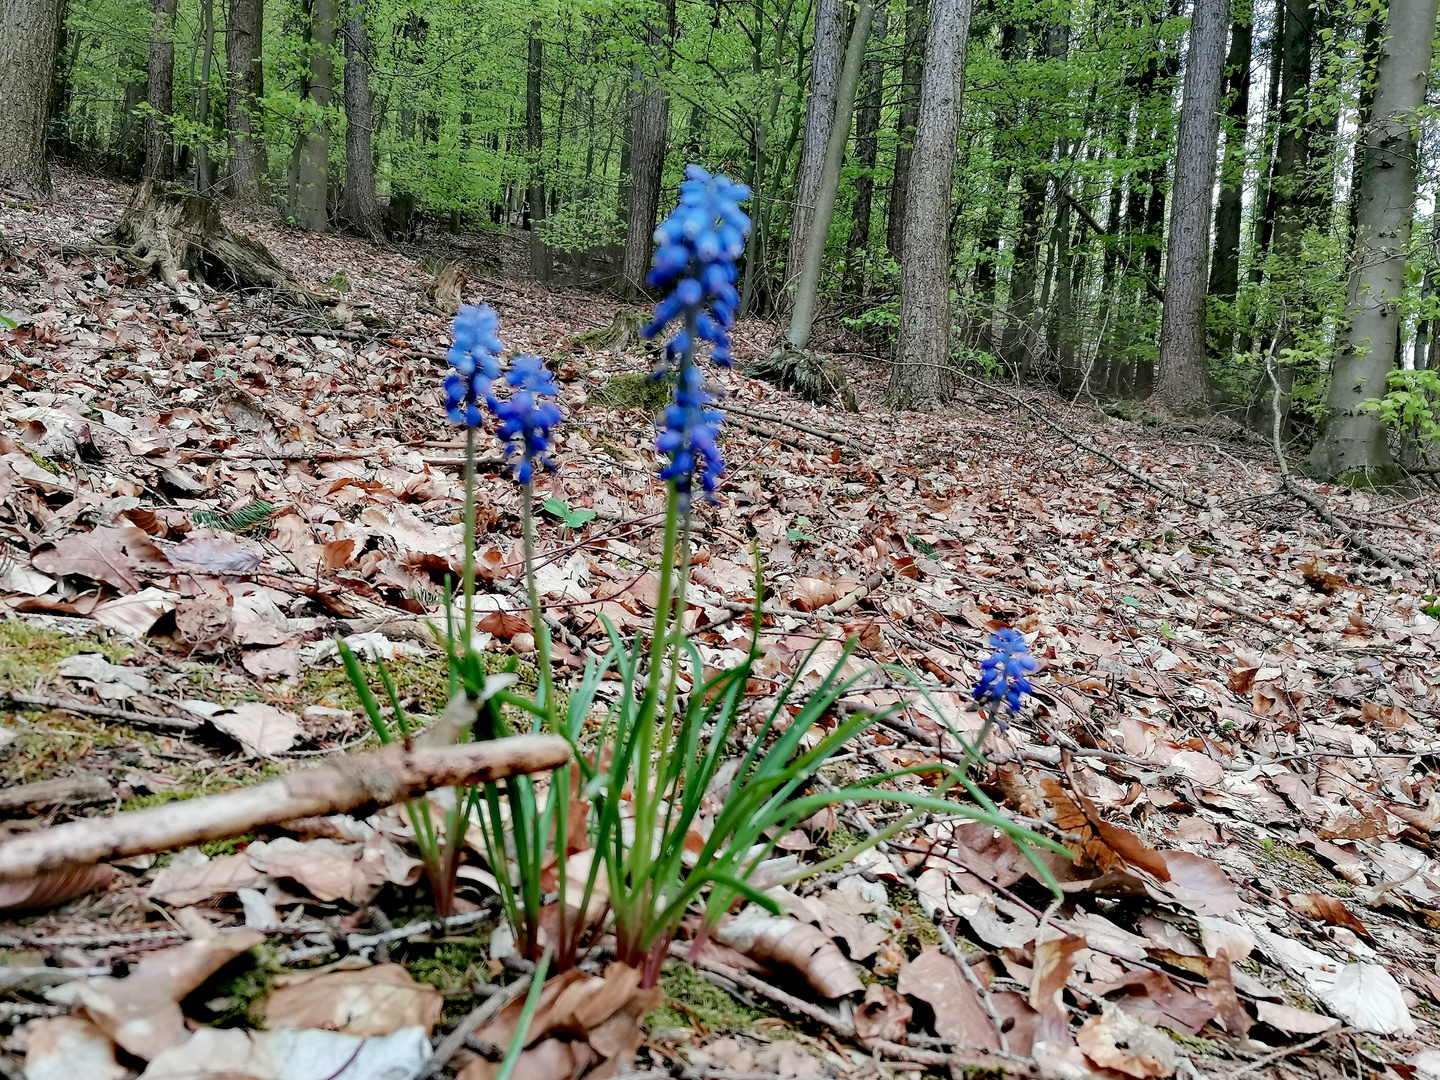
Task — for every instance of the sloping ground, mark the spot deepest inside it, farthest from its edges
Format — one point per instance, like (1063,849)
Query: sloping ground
(1233,725)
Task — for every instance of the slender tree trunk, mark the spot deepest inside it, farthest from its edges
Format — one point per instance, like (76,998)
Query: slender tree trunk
(923,349)
(29,39)
(867,145)
(910,73)
(820,117)
(361,208)
(313,179)
(1353,445)
(987,262)
(807,290)
(1184,384)
(159,157)
(244,84)
(1292,153)
(650,125)
(535,143)
(1225,271)
(1364,110)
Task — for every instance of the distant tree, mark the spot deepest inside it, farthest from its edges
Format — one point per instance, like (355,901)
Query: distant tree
(159,152)
(29,38)
(649,131)
(312,179)
(244,85)
(819,116)
(360,208)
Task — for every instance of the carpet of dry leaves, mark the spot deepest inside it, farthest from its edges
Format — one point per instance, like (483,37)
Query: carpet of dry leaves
(1233,726)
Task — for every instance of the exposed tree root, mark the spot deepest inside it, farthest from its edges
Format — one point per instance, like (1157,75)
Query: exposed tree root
(814,377)
(623,332)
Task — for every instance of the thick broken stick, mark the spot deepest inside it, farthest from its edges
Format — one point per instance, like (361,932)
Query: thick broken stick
(359,784)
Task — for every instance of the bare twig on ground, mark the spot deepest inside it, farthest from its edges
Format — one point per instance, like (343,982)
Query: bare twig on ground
(798,425)
(68,790)
(447,1047)
(1284,1052)
(796,1005)
(378,778)
(105,712)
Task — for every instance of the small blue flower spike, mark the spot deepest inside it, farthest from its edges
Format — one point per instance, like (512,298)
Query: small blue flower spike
(527,417)
(1003,674)
(689,437)
(475,360)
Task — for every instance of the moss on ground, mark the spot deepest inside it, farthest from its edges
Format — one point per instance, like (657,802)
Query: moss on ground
(231,996)
(691,1001)
(29,654)
(632,391)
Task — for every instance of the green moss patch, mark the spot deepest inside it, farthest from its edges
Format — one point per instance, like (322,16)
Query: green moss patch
(633,391)
(691,1001)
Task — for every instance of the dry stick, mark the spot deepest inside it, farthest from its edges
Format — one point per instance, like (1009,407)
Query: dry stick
(447,1047)
(359,943)
(69,790)
(107,712)
(357,784)
(743,978)
(1283,1052)
(798,425)
(1130,471)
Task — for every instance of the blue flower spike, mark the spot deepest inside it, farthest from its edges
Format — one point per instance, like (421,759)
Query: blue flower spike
(528,416)
(1004,673)
(475,363)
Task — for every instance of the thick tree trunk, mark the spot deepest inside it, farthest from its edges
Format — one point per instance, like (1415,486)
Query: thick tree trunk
(244,83)
(1225,271)
(361,209)
(312,181)
(819,119)
(159,157)
(203,177)
(1184,384)
(867,144)
(912,59)
(1292,153)
(650,124)
(1353,446)
(535,142)
(807,291)
(29,38)
(923,350)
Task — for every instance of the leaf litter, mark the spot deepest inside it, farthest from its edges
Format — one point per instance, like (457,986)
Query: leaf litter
(1230,732)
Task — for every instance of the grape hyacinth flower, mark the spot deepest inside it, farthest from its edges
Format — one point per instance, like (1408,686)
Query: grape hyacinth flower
(526,418)
(1003,673)
(689,437)
(475,360)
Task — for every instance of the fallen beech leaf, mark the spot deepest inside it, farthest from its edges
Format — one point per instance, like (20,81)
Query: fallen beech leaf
(112,682)
(215,554)
(1220,992)
(550,1059)
(261,730)
(104,554)
(1053,961)
(48,890)
(182,886)
(70,1048)
(1155,999)
(294,1054)
(884,1014)
(1328,909)
(1293,1021)
(796,945)
(809,593)
(936,979)
(329,869)
(135,615)
(1116,1040)
(376,1000)
(1198,883)
(338,553)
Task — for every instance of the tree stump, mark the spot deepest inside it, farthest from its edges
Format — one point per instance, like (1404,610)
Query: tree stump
(167,229)
(621,334)
(813,377)
(445,291)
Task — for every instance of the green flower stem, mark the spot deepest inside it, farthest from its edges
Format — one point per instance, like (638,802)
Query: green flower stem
(537,615)
(468,575)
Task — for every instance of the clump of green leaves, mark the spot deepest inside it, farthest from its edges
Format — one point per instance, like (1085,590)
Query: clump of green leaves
(1410,404)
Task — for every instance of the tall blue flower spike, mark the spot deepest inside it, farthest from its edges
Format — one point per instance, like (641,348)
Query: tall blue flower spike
(696,249)
(527,417)
(475,360)
(1003,674)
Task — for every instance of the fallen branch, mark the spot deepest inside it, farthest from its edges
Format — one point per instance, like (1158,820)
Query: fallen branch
(69,790)
(798,425)
(105,712)
(358,784)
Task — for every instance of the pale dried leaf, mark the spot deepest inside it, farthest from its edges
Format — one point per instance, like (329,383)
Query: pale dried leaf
(1116,1040)
(793,944)
(261,730)
(376,1000)
(70,1048)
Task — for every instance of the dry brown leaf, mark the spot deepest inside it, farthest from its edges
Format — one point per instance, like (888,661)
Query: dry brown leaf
(1054,960)
(261,730)
(809,593)
(111,555)
(551,1059)
(935,979)
(1327,909)
(70,1048)
(330,870)
(1198,883)
(793,944)
(216,554)
(185,885)
(1116,1040)
(47,890)
(1154,998)
(371,1001)
(884,1014)
(1220,992)
(1293,1021)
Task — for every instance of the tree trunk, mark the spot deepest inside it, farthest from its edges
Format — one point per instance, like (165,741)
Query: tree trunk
(819,119)
(29,38)
(1353,446)
(912,58)
(923,349)
(649,131)
(807,291)
(867,144)
(244,84)
(1364,111)
(1292,152)
(159,158)
(361,209)
(203,178)
(1184,384)
(1225,272)
(313,179)
(535,142)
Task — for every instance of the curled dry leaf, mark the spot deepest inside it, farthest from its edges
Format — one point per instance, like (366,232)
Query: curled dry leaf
(793,944)
(935,978)
(1117,1040)
(884,1014)
(376,1000)
(809,593)
(1220,992)
(70,1048)
(1327,909)
(262,730)
(47,890)
(297,1054)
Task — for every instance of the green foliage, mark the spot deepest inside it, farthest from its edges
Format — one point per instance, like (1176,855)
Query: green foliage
(573,519)
(632,390)
(250,516)
(1410,404)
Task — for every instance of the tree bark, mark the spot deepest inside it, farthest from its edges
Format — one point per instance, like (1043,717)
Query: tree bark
(203,178)
(1225,272)
(1184,384)
(649,130)
(159,157)
(910,71)
(867,144)
(1353,446)
(535,142)
(820,117)
(244,83)
(312,183)
(361,209)
(29,38)
(807,291)
(923,348)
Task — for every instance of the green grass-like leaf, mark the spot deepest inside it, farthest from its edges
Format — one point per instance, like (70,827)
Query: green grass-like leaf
(243,520)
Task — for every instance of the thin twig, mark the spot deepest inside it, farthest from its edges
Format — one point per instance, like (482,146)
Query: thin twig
(447,1047)
(106,712)
(1284,1052)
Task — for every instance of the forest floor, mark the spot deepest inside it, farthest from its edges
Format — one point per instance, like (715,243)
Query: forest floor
(1234,723)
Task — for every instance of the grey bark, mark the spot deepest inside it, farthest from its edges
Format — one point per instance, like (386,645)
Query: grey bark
(361,209)
(807,291)
(29,38)
(312,181)
(203,178)
(244,83)
(867,145)
(923,348)
(535,144)
(819,118)
(1225,270)
(1184,384)
(1353,445)
(159,156)
(649,128)
(912,56)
